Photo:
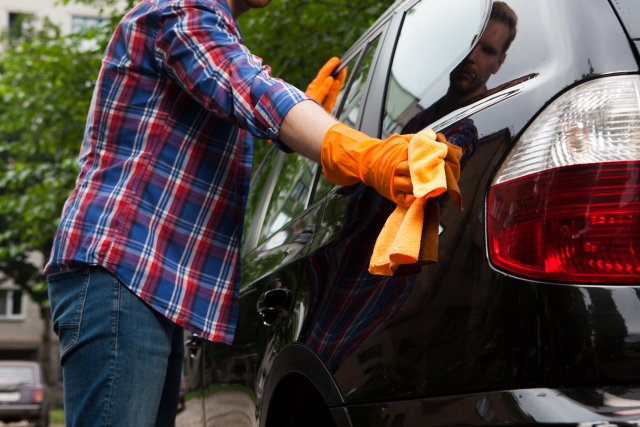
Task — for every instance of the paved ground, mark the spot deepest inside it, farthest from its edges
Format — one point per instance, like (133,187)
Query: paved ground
(224,409)
(25,424)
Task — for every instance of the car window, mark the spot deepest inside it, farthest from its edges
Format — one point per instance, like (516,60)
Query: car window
(353,102)
(290,195)
(258,186)
(12,375)
(352,105)
(351,65)
(430,45)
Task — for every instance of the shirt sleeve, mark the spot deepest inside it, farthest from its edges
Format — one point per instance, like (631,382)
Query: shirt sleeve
(196,47)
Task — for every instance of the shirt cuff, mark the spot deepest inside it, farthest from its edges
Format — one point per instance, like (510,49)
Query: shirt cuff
(273,106)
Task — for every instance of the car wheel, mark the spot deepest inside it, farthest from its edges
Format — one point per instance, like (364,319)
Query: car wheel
(43,421)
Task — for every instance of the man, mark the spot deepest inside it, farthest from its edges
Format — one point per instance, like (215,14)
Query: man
(468,81)
(149,239)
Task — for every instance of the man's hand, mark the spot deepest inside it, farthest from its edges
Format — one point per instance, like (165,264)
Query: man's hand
(324,88)
(349,157)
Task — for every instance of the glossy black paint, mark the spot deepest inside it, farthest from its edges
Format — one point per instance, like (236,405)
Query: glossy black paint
(458,342)
(459,325)
(612,406)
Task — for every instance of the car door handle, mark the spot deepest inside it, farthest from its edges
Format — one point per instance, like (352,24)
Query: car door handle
(273,303)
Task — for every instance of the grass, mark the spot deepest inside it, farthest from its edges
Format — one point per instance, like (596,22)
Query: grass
(56,416)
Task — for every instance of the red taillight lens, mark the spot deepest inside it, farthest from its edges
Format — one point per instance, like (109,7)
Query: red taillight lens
(565,203)
(37,395)
(571,224)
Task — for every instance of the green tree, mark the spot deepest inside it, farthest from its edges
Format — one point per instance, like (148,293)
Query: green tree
(296,37)
(46,82)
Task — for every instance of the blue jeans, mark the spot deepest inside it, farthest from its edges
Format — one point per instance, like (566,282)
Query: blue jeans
(121,360)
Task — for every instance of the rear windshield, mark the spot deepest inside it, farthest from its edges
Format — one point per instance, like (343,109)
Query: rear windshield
(16,375)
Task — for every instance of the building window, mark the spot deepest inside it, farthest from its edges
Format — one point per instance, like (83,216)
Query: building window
(80,24)
(20,25)
(11,304)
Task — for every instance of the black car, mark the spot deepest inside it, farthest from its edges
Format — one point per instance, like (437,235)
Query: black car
(531,315)
(23,395)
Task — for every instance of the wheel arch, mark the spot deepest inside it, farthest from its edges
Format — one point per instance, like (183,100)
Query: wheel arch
(299,361)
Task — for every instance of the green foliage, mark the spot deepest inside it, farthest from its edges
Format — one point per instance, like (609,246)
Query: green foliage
(46,82)
(296,37)
(56,416)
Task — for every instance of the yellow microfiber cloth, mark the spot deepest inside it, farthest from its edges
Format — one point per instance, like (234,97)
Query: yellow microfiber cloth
(409,238)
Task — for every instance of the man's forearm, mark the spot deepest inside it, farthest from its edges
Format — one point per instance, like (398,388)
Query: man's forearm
(304,128)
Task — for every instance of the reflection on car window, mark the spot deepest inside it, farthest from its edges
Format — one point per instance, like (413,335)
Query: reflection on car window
(289,198)
(422,60)
(322,188)
(256,189)
(351,65)
(351,109)
(466,85)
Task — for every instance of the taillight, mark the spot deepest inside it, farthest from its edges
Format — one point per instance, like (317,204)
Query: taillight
(37,395)
(565,204)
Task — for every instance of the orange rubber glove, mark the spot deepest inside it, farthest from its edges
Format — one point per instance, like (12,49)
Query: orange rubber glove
(349,157)
(324,88)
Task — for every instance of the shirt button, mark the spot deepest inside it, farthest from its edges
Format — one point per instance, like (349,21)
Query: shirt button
(246,147)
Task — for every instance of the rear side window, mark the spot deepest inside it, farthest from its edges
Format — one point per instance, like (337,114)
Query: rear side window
(351,65)
(436,35)
(353,102)
(354,92)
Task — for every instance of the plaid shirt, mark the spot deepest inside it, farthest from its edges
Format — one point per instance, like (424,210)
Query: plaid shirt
(165,162)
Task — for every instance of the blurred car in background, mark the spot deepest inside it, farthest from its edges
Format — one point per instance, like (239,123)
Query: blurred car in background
(23,394)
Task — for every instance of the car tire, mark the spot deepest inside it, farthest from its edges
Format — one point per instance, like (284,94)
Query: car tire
(43,421)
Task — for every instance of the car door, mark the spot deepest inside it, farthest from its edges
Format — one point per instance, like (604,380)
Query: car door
(278,231)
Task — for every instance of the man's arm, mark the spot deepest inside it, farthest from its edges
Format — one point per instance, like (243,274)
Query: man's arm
(347,155)
(304,128)
(196,47)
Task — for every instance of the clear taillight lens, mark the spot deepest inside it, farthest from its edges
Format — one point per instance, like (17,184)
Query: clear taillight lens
(565,204)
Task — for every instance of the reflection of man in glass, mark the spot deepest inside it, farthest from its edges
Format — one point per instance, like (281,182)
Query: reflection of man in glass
(468,81)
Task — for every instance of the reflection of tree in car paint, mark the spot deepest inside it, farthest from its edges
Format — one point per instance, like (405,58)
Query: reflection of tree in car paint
(353,304)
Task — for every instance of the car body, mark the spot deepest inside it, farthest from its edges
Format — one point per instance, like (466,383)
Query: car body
(23,394)
(531,314)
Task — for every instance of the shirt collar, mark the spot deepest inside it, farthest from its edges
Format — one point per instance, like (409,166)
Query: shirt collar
(225,6)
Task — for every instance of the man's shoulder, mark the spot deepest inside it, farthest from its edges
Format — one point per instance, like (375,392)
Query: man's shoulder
(216,7)
(220,6)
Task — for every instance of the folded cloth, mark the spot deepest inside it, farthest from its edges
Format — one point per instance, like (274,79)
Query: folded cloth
(409,238)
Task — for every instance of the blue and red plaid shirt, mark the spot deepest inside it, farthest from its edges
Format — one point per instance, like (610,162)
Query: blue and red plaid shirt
(166,161)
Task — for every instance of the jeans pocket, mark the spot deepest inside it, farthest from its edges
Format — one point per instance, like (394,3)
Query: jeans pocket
(67,294)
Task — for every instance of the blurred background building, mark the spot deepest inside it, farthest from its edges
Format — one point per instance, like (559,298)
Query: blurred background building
(70,18)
